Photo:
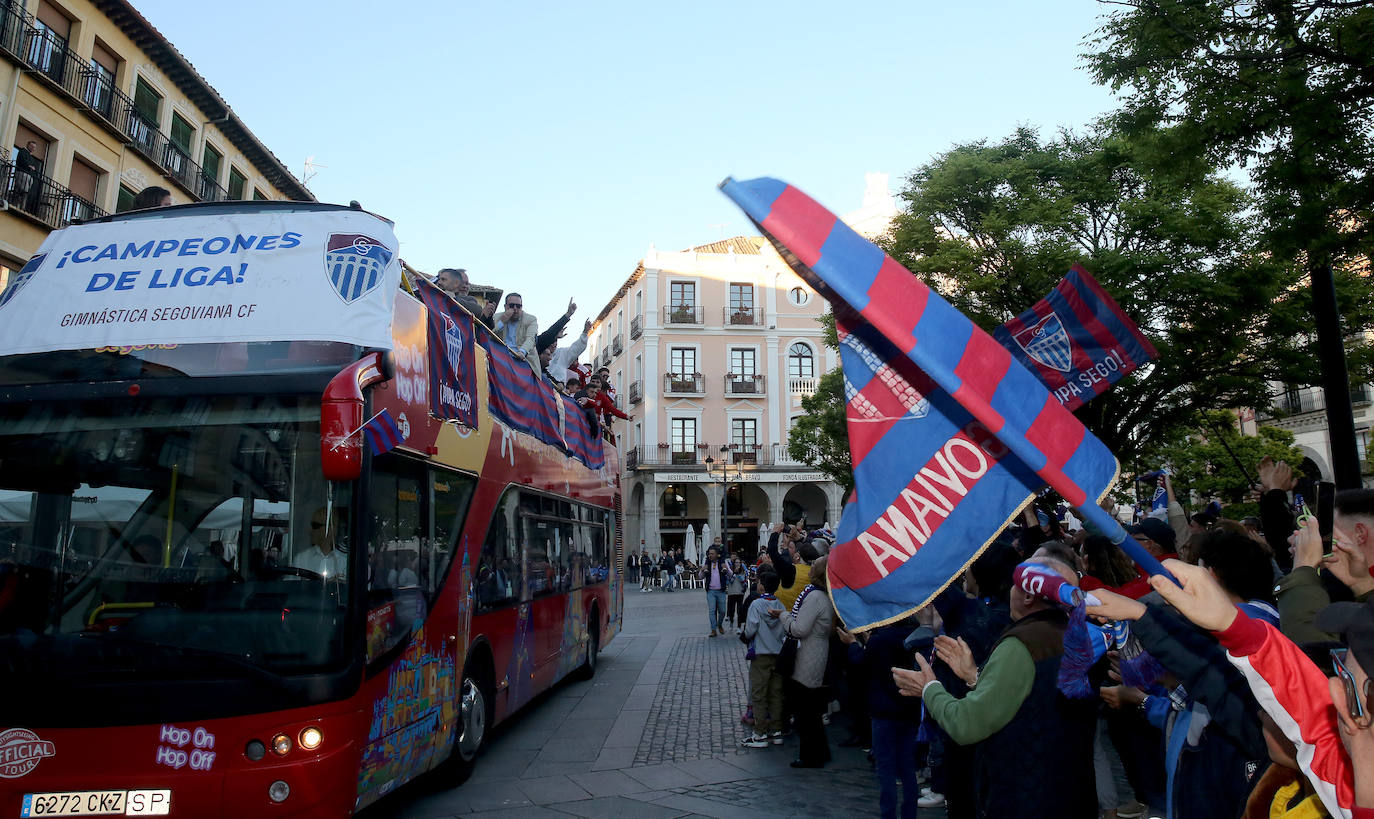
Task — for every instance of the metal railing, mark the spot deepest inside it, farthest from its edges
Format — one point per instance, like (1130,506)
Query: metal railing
(749,384)
(665,455)
(636,327)
(93,89)
(605,356)
(765,455)
(618,344)
(636,392)
(684,314)
(44,199)
(684,384)
(742,317)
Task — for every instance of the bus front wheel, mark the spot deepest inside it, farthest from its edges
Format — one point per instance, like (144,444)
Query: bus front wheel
(474,720)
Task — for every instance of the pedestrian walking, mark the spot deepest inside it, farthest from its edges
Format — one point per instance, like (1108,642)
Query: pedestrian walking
(734,592)
(715,574)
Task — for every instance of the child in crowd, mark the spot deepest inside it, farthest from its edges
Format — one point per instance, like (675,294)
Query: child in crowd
(763,628)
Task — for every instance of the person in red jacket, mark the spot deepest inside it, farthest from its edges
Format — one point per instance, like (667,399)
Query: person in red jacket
(605,401)
(1329,721)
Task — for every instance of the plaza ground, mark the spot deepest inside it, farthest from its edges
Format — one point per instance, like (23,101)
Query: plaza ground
(655,734)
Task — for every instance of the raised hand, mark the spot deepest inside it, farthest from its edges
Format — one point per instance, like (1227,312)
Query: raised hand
(956,654)
(572,308)
(912,683)
(1348,563)
(1115,606)
(1306,544)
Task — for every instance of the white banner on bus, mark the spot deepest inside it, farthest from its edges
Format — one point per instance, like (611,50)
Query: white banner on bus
(194,279)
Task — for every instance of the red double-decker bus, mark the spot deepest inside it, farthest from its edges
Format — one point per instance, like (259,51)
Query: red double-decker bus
(214,600)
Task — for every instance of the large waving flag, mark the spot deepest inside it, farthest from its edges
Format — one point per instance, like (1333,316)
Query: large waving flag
(1077,340)
(922,512)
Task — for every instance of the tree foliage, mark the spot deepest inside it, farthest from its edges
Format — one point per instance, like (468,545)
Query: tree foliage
(1283,88)
(1214,460)
(819,437)
(995,225)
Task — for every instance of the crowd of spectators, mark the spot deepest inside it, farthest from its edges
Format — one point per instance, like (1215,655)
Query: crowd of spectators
(556,364)
(1236,689)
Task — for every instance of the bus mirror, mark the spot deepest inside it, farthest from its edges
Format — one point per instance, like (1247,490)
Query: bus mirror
(341,415)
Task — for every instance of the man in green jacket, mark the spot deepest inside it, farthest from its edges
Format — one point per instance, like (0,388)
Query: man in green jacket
(1033,745)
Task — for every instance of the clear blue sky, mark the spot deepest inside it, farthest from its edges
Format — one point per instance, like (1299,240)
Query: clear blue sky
(545,145)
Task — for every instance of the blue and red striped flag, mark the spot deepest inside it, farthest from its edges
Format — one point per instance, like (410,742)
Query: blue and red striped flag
(948,473)
(1077,340)
(382,433)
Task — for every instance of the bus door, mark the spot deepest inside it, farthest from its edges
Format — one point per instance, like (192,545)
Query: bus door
(544,577)
(412,628)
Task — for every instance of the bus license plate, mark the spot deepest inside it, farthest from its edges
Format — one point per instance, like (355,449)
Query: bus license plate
(97,803)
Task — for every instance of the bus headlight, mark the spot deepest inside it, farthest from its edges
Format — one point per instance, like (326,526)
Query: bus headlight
(281,744)
(311,738)
(255,750)
(278,791)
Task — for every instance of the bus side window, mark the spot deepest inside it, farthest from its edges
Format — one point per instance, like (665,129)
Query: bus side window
(498,570)
(451,493)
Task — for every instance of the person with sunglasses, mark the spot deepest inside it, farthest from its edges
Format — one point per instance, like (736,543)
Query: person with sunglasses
(519,330)
(1327,720)
(322,558)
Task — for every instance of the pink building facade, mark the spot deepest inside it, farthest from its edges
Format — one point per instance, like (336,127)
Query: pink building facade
(712,350)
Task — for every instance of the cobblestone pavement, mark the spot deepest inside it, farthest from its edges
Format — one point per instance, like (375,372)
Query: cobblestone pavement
(696,711)
(655,734)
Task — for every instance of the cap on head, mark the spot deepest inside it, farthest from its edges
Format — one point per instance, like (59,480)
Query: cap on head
(1156,530)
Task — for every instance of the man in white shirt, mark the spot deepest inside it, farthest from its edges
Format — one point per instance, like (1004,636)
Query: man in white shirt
(322,558)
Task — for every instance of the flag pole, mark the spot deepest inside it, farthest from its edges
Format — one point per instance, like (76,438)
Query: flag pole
(345,438)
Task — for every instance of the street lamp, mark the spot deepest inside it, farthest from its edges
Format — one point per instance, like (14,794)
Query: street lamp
(724,492)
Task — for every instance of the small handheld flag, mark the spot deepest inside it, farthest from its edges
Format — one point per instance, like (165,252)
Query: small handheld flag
(382,433)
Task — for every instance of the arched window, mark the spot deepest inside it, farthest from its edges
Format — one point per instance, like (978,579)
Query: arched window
(673,501)
(801,362)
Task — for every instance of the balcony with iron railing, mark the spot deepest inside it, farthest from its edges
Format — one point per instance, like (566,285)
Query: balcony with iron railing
(605,357)
(684,384)
(744,386)
(667,455)
(43,199)
(684,315)
(742,317)
(618,344)
(92,88)
(636,392)
(744,455)
(636,327)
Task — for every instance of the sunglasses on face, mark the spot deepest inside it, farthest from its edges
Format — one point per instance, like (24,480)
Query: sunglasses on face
(1353,700)
(316,524)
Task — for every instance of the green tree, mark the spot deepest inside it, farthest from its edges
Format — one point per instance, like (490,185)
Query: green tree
(1215,460)
(1284,88)
(993,226)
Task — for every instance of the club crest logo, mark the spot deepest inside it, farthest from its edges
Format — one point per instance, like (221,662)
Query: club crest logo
(18,280)
(20,752)
(453,344)
(1048,343)
(354,264)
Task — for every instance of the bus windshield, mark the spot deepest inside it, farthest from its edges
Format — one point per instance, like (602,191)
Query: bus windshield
(136,533)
